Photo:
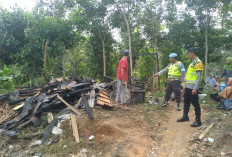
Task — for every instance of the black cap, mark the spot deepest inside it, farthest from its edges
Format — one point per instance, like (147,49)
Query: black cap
(126,52)
(193,49)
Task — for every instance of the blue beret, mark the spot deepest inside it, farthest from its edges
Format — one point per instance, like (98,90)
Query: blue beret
(173,55)
(125,52)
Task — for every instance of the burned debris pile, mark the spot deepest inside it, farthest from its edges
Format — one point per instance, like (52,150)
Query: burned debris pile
(60,99)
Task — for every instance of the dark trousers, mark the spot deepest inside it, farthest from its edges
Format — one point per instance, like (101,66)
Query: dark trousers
(173,86)
(189,98)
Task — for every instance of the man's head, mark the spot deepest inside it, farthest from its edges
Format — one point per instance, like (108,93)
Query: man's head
(172,57)
(192,53)
(211,75)
(229,60)
(126,53)
(230,81)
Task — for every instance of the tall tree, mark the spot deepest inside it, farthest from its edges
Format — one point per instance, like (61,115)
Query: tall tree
(203,11)
(96,15)
(128,10)
(12,26)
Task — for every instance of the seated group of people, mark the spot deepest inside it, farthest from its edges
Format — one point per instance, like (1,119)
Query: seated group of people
(226,97)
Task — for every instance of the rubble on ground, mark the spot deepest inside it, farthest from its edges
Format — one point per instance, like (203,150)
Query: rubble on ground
(60,99)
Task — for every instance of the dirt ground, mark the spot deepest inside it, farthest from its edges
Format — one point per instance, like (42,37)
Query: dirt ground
(146,131)
(141,132)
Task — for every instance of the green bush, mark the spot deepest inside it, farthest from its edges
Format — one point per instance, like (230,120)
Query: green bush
(7,82)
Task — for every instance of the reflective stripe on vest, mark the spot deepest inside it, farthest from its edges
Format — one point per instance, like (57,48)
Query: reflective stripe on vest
(191,75)
(174,71)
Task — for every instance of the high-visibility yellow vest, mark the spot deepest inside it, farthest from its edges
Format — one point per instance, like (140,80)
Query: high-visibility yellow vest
(174,71)
(191,75)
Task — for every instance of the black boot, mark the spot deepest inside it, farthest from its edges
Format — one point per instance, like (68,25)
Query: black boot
(178,108)
(164,104)
(196,123)
(221,106)
(183,119)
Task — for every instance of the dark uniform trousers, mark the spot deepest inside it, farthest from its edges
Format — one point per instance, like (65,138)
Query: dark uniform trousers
(173,86)
(189,98)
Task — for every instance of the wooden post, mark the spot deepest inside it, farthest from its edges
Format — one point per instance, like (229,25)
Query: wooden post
(75,128)
(158,69)
(69,106)
(206,131)
(153,78)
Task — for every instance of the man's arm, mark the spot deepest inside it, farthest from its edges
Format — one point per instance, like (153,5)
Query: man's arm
(163,71)
(206,81)
(122,75)
(199,73)
(215,81)
(183,73)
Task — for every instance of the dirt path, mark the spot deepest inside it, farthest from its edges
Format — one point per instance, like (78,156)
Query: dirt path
(141,132)
(177,135)
(121,133)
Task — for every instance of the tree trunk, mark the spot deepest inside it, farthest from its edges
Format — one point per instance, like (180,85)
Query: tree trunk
(129,36)
(206,46)
(45,62)
(104,57)
(34,78)
(63,66)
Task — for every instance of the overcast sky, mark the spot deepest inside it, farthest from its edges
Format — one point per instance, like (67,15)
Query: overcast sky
(25,4)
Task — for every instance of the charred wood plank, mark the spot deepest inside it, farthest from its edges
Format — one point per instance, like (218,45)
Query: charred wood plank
(49,130)
(104,92)
(85,104)
(69,106)
(4,97)
(76,92)
(106,79)
(16,101)
(78,86)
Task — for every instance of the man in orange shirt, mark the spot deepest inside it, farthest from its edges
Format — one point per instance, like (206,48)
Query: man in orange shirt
(122,73)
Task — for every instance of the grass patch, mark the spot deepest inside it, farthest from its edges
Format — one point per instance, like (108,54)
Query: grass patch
(207,103)
(66,145)
(230,124)
(215,114)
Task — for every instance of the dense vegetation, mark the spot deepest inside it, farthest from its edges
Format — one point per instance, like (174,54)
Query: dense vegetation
(87,37)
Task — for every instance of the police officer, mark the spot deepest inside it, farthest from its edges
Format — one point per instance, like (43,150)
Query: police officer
(176,73)
(193,77)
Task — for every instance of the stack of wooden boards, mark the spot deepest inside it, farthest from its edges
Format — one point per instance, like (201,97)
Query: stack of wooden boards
(104,98)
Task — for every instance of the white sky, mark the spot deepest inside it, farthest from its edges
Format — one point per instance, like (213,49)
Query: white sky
(24,4)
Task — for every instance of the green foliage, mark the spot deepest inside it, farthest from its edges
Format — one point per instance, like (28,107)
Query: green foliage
(146,69)
(7,82)
(76,30)
(12,35)
(21,135)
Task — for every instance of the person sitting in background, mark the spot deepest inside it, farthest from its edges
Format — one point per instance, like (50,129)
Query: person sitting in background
(227,70)
(226,97)
(211,81)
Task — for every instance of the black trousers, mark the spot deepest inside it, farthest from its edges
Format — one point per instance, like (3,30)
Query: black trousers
(194,99)
(173,86)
